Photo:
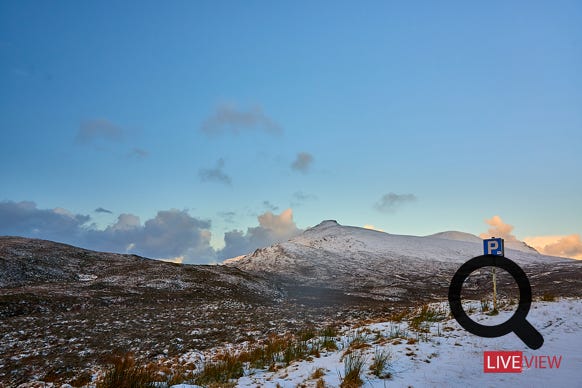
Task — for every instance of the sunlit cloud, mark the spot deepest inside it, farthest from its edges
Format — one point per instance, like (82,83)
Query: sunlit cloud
(175,260)
(272,228)
(498,229)
(372,227)
(565,246)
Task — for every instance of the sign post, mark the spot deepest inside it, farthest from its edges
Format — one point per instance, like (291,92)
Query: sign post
(494,246)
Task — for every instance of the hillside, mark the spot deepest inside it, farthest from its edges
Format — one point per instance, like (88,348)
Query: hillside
(72,307)
(388,267)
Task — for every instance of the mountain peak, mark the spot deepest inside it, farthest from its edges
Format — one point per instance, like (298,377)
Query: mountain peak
(325,224)
(457,236)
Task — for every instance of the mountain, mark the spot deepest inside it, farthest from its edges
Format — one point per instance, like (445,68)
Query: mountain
(462,236)
(386,267)
(32,262)
(457,236)
(63,309)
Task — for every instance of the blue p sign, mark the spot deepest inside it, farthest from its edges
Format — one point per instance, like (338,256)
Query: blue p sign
(493,246)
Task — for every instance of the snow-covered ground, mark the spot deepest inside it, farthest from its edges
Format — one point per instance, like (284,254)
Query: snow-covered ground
(447,357)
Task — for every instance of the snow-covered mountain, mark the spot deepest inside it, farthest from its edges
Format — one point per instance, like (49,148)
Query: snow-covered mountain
(375,264)
(462,236)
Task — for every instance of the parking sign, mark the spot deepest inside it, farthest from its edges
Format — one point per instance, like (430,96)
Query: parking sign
(494,246)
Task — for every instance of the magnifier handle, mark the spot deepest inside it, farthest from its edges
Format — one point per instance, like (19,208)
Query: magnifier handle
(529,335)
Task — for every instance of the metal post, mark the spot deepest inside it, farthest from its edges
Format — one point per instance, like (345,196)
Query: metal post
(494,291)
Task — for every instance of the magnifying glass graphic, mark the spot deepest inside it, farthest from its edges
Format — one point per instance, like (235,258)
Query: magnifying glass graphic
(517,323)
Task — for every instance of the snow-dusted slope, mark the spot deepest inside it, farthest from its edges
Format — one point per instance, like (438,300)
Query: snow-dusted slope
(378,264)
(447,357)
(348,241)
(468,237)
(457,236)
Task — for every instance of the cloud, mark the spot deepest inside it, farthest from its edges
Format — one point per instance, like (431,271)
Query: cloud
(25,219)
(564,246)
(175,260)
(229,119)
(91,131)
(227,216)
(302,162)
(300,197)
(215,174)
(270,206)
(102,210)
(499,229)
(138,153)
(170,234)
(272,229)
(392,201)
(372,227)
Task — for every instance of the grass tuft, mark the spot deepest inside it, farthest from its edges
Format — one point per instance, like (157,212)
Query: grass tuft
(228,367)
(380,362)
(123,373)
(353,365)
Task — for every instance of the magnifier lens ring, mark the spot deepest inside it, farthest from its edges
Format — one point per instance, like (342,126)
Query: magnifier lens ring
(490,261)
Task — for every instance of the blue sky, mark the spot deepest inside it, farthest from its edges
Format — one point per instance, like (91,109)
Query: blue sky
(414,117)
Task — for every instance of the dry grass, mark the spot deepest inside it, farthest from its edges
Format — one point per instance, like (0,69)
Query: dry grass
(380,362)
(353,366)
(426,314)
(548,297)
(319,372)
(224,370)
(124,373)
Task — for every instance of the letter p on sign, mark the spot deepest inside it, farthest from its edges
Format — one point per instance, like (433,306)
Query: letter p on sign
(493,246)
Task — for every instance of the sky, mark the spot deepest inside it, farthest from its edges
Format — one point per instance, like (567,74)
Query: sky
(201,130)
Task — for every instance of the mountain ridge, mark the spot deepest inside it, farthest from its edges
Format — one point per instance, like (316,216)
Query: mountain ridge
(379,265)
